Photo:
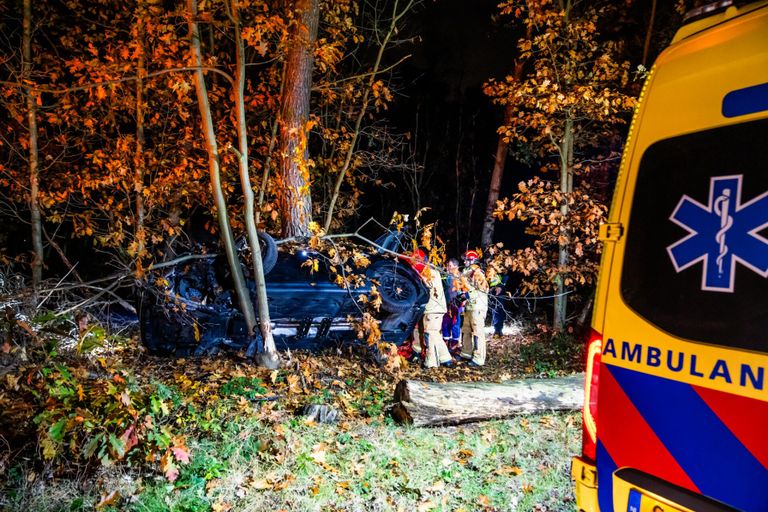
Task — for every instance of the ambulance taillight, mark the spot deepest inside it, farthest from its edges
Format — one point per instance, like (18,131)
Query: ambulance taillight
(589,415)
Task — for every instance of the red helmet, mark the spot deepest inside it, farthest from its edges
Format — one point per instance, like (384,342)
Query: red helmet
(471,256)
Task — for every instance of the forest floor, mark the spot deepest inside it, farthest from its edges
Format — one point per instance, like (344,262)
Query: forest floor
(219,434)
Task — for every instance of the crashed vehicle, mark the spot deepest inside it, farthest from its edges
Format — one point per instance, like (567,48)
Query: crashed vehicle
(192,308)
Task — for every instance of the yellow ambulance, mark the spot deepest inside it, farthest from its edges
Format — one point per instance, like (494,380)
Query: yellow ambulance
(676,395)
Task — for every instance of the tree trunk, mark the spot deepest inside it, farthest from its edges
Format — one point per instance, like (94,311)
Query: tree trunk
(498,171)
(268,356)
(649,32)
(566,187)
(493,191)
(34,177)
(293,181)
(211,147)
(428,404)
(138,159)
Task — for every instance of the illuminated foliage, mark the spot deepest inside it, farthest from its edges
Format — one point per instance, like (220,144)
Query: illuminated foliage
(560,114)
(122,158)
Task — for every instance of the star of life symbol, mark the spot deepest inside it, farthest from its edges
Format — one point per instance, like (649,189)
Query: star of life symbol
(721,233)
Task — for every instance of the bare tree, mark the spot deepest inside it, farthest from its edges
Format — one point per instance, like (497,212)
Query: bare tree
(34,175)
(398,11)
(268,356)
(213,167)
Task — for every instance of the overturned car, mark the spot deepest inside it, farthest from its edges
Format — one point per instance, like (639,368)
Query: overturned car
(191,307)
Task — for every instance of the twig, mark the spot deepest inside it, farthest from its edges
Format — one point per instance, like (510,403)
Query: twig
(92,85)
(86,301)
(63,256)
(182,259)
(55,288)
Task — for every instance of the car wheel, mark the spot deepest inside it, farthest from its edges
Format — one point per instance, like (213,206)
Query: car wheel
(268,251)
(397,289)
(162,333)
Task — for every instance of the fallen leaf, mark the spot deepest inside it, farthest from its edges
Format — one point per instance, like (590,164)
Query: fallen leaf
(170,470)
(221,506)
(318,481)
(279,486)
(508,470)
(12,381)
(130,439)
(319,452)
(426,505)
(436,487)
(261,484)
(211,485)
(107,500)
(293,384)
(181,454)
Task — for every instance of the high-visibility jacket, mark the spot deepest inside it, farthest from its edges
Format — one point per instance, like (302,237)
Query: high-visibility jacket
(478,289)
(436,303)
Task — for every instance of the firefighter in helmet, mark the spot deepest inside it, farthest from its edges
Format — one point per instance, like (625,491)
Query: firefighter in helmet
(432,346)
(475,310)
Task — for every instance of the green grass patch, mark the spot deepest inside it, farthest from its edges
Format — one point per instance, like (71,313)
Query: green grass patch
(247,387)
(517,465)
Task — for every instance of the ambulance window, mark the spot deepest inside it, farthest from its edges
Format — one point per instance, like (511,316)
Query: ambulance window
(696,256)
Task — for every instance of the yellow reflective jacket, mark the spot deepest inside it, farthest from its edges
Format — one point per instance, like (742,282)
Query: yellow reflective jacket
(478,289)
(436,303)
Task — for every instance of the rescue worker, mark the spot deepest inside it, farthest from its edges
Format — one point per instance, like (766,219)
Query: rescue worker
(434,350)
(452,319)
(475,309)
(497,283)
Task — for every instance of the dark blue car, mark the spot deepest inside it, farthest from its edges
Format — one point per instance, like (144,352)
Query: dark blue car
(192,308)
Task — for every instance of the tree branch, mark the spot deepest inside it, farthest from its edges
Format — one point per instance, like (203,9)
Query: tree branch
(92,85)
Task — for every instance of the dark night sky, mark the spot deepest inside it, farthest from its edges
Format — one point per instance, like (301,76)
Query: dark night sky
(462,44)
(459,49)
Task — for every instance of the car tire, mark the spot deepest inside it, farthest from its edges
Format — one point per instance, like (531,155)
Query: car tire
(161,333)
(398,290)
(268,251)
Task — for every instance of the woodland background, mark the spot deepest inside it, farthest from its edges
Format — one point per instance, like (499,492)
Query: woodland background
(126,142)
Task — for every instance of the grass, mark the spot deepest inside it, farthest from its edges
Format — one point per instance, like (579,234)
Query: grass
(520,464)
(249,450)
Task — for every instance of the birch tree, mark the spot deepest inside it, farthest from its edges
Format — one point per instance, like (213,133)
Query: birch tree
(268,356)
(34,176)
(212,149)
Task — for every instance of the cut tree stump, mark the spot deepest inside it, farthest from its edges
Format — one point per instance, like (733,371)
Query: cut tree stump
(425,404)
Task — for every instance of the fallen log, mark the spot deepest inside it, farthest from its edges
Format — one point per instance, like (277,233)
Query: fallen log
(425,404)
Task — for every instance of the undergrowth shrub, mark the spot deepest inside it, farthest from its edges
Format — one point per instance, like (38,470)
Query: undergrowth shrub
(56,390)
(108,418)
(562,352)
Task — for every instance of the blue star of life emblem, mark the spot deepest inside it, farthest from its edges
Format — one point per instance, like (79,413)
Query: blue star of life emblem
(721,233)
